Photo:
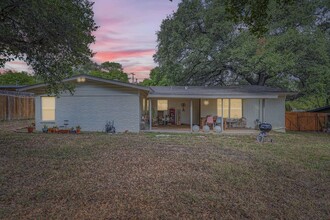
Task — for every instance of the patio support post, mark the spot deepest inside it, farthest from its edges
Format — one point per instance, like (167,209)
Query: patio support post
(263,110)
(150,115)
(222,115)
(191,115)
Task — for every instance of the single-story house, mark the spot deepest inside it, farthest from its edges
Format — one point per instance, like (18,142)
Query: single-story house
(134,107)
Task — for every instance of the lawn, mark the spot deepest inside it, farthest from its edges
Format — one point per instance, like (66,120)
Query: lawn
(147,176)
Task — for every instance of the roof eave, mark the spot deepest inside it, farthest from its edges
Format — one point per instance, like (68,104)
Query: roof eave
(36,86)
(215,96)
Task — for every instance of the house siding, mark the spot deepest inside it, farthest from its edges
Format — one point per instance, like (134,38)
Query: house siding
(184,115)
(37,119)
(93,105)
(275,113)
(96,102)
(272,112)
(251,111)
(210,109)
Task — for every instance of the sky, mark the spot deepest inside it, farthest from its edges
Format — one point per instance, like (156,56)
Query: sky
(126,33)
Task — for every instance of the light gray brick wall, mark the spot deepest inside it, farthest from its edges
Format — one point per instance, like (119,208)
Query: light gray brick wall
(251,111)
(275,113)
(92,106)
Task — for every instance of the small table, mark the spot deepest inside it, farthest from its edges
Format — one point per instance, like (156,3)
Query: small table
(230,122)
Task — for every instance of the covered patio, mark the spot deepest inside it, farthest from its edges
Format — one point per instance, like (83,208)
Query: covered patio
(187,129)
(233,109)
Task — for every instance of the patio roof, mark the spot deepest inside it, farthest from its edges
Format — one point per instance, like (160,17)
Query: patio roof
(248,91)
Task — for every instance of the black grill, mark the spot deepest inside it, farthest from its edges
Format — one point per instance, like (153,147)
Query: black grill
(265,127)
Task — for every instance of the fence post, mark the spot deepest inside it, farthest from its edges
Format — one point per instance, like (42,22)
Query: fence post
(8,108)
(16,105)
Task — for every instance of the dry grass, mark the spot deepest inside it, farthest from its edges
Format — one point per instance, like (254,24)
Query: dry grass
(95,176)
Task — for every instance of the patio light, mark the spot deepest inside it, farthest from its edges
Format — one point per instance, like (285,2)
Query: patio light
(81,79)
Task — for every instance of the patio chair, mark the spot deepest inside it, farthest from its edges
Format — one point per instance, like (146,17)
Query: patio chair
(218,121)
(242,122)
(231,122)
(209,121)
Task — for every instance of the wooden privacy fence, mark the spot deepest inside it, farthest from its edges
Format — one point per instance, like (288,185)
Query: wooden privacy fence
(305,121)
(16,105)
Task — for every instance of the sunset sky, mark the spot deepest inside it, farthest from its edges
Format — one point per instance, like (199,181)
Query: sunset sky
(127,33)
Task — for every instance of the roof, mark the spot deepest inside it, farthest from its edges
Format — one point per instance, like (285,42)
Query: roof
(15,93)
(88,77)
(248,91)
(10,87)
(321,109)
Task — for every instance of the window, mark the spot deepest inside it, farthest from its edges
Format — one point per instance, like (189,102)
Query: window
(225,104)
(48,108)
(162,105)
(143,104)
(236,108)
(232,108)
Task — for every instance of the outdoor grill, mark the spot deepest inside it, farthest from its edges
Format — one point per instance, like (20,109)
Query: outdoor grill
(264,129)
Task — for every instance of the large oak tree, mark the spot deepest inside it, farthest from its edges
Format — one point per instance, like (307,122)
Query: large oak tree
(199,45)
(52,36)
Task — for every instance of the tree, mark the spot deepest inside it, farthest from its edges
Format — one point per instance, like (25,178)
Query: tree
(110,66)
(110,70)
(113,75)
(156,78)
(106,70)
(255,14)
(199,45)
(51,36)
(17,78)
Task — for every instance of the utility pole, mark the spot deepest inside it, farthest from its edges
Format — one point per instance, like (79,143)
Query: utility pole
(132,78)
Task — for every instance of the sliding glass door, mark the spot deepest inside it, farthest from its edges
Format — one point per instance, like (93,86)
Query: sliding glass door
(229,108)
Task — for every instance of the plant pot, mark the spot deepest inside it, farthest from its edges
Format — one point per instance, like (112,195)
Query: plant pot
(78,131)
(30,129)
(45,130)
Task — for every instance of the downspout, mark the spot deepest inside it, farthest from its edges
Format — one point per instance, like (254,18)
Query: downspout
(222,115)
(263,110)
(150,115)
(140,110)
(191,115)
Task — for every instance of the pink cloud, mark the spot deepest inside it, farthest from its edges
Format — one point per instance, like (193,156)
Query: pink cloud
(16,66)
(141,72)
(111,21)
(113,55)
(135,69)
(126,33)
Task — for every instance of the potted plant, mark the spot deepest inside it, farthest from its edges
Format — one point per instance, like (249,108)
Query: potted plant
(30,128)
(78,128)
(45,129)
(55,129)
(72,131)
